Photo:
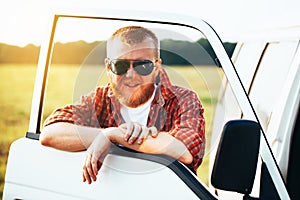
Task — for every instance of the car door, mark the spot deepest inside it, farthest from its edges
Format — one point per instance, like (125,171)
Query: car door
(35,171)
(71,64)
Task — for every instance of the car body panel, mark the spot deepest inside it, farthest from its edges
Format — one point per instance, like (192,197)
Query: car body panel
(62,179)
(277,112)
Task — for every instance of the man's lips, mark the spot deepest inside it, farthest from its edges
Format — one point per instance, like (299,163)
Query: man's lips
(131,85)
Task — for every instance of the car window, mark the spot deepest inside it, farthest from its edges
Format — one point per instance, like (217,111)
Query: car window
(247,60)
(77,65)
(270,78)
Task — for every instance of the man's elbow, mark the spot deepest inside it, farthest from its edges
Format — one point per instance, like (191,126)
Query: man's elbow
(186,158)
(46,138)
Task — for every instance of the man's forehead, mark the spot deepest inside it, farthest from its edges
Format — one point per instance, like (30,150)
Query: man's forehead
(117,48)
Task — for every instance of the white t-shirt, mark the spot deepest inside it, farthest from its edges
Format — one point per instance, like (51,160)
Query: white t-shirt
(137,114)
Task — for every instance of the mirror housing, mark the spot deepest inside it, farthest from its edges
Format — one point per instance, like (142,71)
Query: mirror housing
(236,159)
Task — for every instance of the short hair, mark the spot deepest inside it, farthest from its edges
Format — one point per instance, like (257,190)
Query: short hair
(132,35)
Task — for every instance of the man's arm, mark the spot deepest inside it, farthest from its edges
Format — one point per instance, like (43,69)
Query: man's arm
(68,137)
(164,144)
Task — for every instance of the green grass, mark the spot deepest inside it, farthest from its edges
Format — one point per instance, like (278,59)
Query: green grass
(64,85)
(15,101)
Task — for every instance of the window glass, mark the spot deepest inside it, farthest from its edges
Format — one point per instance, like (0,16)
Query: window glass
(247,60)
(77,66)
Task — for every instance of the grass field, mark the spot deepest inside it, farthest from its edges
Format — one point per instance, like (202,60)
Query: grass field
(65,83)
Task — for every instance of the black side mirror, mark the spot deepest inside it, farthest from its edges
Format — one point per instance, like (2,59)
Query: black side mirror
(236,159)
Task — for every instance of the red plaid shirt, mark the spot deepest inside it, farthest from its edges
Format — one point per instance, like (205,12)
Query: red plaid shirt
(174,109)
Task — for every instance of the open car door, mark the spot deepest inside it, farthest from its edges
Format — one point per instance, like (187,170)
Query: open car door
(193,56)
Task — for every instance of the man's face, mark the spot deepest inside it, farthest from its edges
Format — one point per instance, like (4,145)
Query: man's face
(131,88)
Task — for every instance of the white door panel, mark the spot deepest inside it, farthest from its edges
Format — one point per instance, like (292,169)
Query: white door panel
(57,175)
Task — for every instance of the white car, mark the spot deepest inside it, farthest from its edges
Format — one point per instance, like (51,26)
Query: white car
(268,65)
(242,132)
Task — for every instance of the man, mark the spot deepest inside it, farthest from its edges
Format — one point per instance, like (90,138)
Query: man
(139,109)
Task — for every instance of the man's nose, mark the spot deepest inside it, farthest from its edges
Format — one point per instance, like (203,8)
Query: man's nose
(131,72)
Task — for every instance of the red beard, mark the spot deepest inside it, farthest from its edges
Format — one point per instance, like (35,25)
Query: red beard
(139,97)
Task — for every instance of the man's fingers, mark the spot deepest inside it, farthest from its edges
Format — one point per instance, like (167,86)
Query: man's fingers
(88,168)
(86,176)
(96,153)
(85,173)
(129,129)
(95,168)
(135,133)
(132,131)
(153,131)
(143,135)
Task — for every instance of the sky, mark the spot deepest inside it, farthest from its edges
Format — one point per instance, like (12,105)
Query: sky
(21,20)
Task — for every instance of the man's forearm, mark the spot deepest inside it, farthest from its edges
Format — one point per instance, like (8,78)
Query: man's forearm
(164,144)
(68,137)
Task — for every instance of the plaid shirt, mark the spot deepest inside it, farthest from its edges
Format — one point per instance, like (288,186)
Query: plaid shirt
(174,109)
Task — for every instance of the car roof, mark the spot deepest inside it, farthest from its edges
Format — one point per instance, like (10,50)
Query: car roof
(273,34)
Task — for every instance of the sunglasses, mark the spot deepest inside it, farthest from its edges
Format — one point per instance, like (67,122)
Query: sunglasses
(121,66)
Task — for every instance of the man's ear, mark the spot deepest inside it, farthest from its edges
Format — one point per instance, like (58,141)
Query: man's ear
(157,65)
(157,70)
(107,64)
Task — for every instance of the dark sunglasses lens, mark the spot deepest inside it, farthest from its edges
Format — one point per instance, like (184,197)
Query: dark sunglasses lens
(119,67)
(143,67)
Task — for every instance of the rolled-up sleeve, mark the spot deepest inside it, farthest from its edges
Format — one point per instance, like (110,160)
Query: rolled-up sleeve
(80,113)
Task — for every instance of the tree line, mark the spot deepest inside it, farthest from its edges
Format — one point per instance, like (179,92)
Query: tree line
(173,52)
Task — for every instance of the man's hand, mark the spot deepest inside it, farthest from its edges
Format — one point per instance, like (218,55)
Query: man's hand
(162,143)
(96,153)
(135,132)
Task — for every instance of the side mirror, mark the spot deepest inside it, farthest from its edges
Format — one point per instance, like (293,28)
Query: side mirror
(236,159)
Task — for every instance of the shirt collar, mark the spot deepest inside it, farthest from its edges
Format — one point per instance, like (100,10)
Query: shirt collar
(166,89)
